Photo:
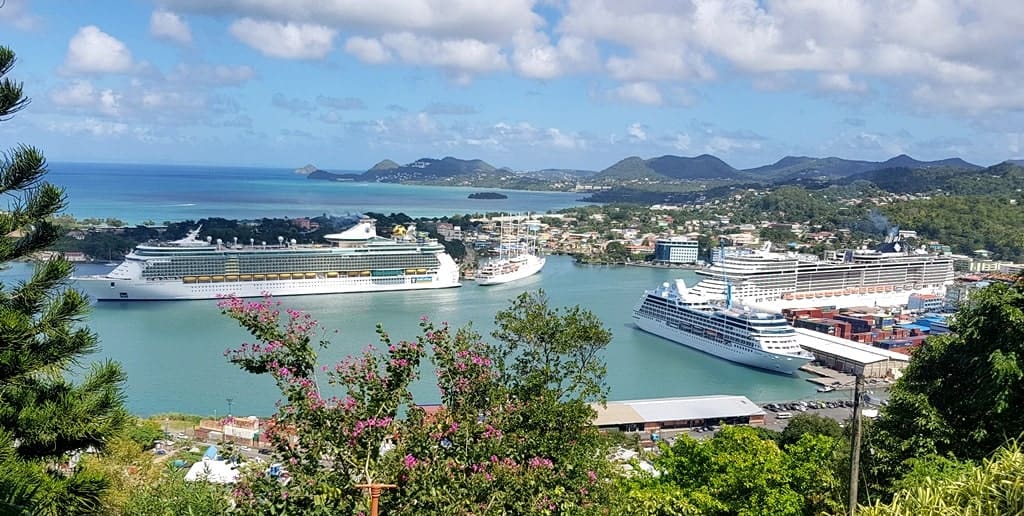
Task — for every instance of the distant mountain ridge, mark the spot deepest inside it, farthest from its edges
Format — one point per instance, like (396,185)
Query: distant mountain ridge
(806,170)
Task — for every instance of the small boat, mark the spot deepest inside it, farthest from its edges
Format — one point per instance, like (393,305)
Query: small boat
(259,277)
(231,277)
(245,277)
(310,275)
(332,274)
(826,388)
(188,279)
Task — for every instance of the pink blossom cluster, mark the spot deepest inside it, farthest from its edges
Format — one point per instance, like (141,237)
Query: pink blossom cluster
(367,424)
(540,462)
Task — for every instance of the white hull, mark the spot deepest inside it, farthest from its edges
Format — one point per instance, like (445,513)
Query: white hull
(100,289)
(528,267)
(108,288)
(760,359)
(844,301)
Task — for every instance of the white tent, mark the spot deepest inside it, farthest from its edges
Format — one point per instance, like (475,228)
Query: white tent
(215,471)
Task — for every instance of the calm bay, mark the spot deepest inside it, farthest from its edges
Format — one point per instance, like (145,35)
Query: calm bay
(173,351)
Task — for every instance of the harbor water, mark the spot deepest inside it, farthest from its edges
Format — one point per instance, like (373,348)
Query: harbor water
(173,350)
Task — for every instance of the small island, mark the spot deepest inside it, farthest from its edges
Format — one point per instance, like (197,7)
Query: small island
(487,195)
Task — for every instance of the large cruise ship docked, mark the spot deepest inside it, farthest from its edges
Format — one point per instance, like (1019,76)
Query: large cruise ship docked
(355,260)
(772,281)
(758,339)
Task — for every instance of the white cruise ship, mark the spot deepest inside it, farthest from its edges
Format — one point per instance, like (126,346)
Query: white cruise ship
(757,339)
(772,281)
(517,258)
(355,260)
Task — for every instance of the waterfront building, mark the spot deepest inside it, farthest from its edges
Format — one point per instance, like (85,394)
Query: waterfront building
(683,412)
(851,357)
(676,250)
(925,302)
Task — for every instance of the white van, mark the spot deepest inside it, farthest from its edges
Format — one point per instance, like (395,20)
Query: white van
(783,415)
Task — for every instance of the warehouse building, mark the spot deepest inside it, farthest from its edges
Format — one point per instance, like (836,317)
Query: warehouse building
(685,412)
(851,357)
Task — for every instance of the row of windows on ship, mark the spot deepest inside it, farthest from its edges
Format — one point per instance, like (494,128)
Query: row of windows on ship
(207,267)
(374,274)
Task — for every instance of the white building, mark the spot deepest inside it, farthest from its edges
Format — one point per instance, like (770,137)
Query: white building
(675,250)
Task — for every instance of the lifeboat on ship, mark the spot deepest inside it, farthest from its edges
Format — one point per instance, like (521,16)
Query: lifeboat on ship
(188,279)
(245,277)
(310,275)
(332,274)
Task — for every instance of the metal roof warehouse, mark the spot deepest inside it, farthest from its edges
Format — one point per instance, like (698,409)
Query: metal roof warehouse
(851,357)
(683,412)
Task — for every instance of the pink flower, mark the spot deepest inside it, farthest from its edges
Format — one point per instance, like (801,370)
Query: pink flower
(409,461)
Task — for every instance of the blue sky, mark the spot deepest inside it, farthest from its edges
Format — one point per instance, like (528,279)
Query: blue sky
(520,83)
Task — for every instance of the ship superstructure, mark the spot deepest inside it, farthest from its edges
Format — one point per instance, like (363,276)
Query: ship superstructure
(355,260)
(862,277)
(757,339)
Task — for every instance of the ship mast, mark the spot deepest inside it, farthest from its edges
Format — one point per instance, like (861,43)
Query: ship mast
(725,275)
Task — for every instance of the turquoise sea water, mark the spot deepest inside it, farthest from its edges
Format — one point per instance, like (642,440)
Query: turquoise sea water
(136,193)
(173,351)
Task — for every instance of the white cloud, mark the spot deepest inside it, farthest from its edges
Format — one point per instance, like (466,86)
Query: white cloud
(840,82)
(93,51)
(535,57)
(681,142)
(637,131)
(367,50)
(212,75)
(16,13)
(285,40)
(89,126)
(460,55)
(82,96)
(638,92)
(444,19)
(167,25)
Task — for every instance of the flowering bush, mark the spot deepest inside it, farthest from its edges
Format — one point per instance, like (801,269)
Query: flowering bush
(491,446)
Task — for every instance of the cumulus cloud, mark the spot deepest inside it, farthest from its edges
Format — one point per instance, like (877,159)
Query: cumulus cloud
(464,55)
(167,25)
(840,82)
(16,13)
(535,57)
(456,19)
(637,131)
(638,92)
(89,126)
(285,40)
(93,51)
(367,50)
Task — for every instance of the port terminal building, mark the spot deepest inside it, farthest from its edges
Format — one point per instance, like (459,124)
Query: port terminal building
(851,357)
(684,412)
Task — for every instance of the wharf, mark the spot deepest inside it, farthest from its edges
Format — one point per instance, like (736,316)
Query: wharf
(829,377)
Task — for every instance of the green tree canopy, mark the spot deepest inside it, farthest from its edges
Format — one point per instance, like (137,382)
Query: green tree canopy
(962,394)
(809,423)
(43,417)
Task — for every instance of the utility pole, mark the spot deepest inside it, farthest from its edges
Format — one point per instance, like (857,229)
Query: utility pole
(855,447)
(229,405)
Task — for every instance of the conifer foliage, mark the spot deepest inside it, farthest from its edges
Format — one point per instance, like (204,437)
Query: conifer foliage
(44,418)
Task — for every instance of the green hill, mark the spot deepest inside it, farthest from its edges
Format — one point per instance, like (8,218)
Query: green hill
(671,167)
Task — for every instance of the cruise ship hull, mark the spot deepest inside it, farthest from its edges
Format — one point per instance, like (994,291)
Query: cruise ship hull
(101,288)
(527,268)
(760,359)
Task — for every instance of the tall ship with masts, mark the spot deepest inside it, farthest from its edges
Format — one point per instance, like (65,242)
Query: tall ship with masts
(884,276)
(355,260)
(518,254)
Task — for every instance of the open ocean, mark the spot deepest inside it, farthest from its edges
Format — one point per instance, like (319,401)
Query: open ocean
(137,193)
(173,351)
